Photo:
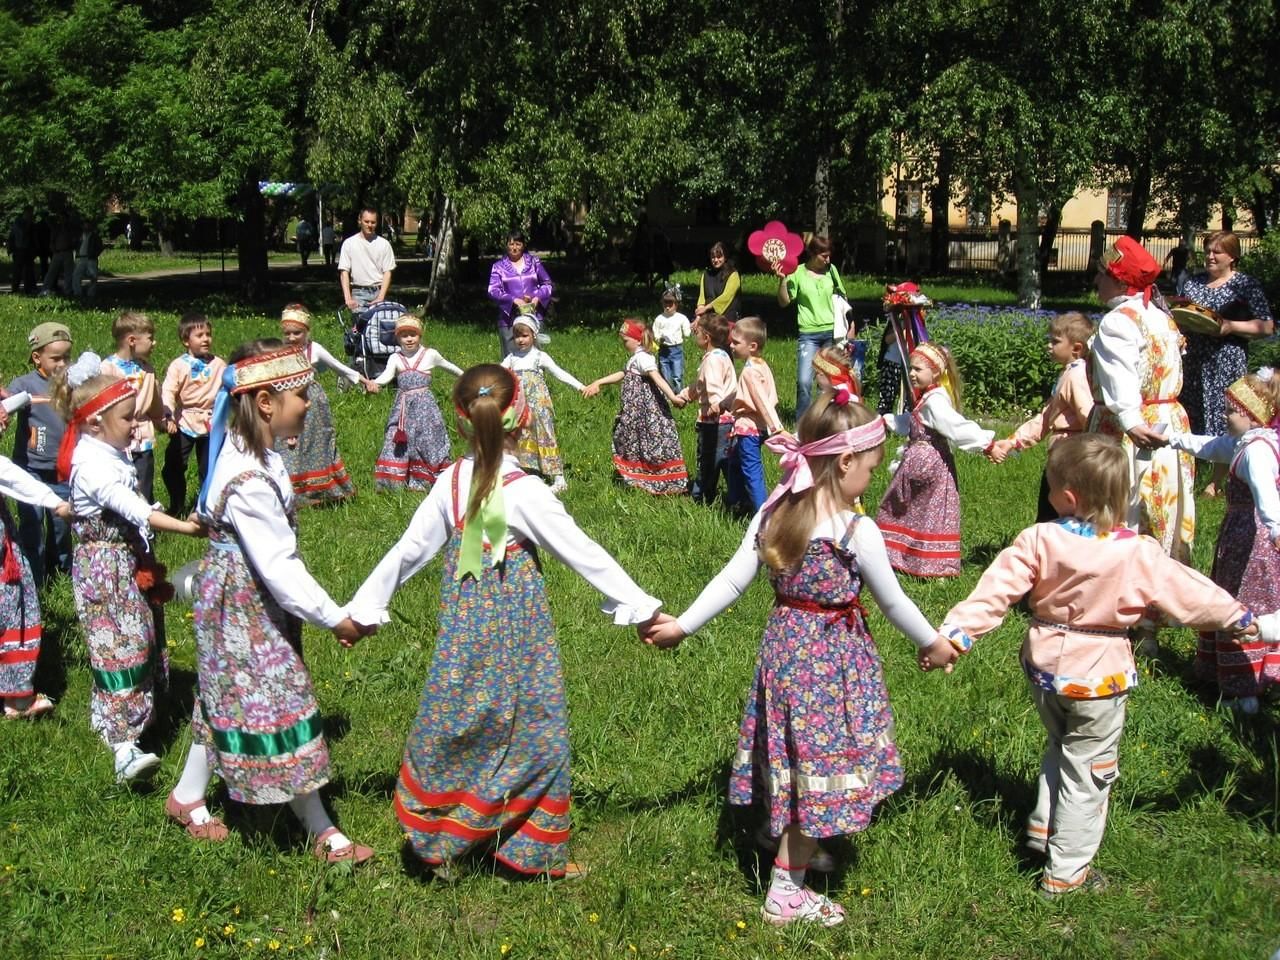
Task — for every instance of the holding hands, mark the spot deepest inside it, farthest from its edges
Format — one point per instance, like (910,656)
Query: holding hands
(349,633)
(591,389)
(940,653)
(663,631)
(999,450)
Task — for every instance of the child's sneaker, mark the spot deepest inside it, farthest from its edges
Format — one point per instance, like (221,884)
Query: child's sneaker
(821,861)
(1095,881)
(133,763)
(801,904)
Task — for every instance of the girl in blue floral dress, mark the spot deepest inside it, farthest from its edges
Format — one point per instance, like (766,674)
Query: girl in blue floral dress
(816,745)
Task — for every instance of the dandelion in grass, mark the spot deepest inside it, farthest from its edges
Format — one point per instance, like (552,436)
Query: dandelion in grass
(229,930)
(866,891)
(9,868)
(179,915)
(199,943)
(273,944)
(593,918)
(505,949)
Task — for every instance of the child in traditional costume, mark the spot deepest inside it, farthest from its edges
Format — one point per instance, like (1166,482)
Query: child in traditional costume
(920,512)
(816,744)
(1246,562)
(315,467)
(1086,578)
(538,448)
(487,760)
(256,722)
(646,446)
(416,446)
(117,583)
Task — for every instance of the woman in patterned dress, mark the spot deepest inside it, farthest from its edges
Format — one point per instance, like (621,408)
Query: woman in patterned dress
(114,575)
(646,446)
(315,467)
(256,722)
(486,764)
(816,744)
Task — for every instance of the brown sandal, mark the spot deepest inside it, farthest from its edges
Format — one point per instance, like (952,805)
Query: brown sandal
(215,831)
(355,852)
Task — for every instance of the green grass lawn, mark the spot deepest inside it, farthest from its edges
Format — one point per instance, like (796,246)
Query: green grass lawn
(88,869)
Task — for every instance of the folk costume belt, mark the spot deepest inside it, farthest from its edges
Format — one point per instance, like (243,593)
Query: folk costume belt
(851,613)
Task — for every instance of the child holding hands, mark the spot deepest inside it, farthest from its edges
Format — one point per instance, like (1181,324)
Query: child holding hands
(714,390)
(135,337)
(256,722)
(920,512)
(816,742)
(1068,409)
(539,449)
(1086,578)
(487,760)
(755,415)
(646,447)
(190,385)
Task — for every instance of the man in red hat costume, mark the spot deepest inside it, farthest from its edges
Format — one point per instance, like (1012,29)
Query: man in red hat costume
(1136,371)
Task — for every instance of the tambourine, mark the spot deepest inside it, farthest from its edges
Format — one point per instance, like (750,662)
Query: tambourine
(1193,318)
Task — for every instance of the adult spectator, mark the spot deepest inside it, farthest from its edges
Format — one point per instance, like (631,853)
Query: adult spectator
(328,244)
(811,287)
(84,276)
(365,264)
(1215,361)
(304,235)
(720,287)
(1136,370)
(62,262)
(22,247)
(518,284)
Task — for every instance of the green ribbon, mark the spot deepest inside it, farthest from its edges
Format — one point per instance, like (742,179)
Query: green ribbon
(266,744)
(113,681)
(490,522)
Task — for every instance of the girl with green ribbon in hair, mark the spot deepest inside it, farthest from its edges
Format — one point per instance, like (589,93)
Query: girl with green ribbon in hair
(486,764)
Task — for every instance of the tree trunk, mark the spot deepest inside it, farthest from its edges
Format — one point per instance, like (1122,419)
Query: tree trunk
(940,204)
(822,195)
(251,249)
(164,237)
(1260,207)
(1028,248)
(1139,200)
(1048,234)
(440,289)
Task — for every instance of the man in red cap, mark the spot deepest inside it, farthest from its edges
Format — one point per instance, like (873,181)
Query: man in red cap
(1136,370)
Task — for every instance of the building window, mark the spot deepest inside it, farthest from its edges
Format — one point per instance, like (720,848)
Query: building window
(1118,199)
(910,199)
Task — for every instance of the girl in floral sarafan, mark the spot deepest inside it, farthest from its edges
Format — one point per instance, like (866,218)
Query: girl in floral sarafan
(816,745)
(486,764)
(256,722)
(920,512)
(114,574)
(646,446)
(539,450)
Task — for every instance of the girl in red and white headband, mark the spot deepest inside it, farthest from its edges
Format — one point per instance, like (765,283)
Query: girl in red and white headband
(816,745)
(114,575)
(416,445)
(646,446)
(920,512)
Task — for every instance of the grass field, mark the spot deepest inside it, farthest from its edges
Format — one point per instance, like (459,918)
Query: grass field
(88,869)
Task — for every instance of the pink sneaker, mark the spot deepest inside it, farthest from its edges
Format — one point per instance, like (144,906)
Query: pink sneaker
(801,904)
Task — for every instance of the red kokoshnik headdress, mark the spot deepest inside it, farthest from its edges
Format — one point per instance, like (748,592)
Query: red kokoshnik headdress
(1129,262)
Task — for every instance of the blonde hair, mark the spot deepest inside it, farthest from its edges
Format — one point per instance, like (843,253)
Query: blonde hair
(785,532)
(753,330)
(950,371)
(715,327)
(66,399)
(646,342)
(481,394)
(244,406)
(131,323)
(1096,469)
(1074,326)
(838,357)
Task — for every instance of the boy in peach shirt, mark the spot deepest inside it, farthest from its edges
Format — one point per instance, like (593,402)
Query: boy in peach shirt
(714,390)
(190,386)
(755,415)
(135,336)
(1087,579)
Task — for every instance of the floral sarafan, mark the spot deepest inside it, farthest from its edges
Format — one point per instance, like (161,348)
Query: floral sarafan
(776,244)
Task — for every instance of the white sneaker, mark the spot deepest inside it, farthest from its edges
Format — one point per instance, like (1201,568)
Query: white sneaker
(559,485)
(821,861)
(135,764)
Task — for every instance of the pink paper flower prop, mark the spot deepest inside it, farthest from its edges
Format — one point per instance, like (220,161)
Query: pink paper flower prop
(776,244)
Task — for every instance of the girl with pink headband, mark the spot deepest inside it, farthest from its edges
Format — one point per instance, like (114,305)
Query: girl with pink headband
(646,446)
(920,512)
(117,583)
(416,445)
(816,744)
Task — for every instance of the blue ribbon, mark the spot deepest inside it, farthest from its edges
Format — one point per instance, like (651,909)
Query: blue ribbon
(217,435)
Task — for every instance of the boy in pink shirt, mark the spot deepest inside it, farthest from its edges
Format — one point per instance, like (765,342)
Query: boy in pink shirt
(190,386)
(755,415)
(714,390)
(1086,579)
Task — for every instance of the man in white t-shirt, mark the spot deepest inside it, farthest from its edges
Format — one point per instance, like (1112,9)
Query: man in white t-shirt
(365,264)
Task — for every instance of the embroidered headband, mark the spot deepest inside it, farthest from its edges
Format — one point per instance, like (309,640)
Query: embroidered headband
(932,355)
(1248,400)
(633,329)
(295,315)
(407,321)
(104,399)
(796,475)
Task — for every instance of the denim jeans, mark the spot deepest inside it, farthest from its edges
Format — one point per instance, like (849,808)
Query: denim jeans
(713,461)
(671,365)
(746,473)
(807,347)
(45,539)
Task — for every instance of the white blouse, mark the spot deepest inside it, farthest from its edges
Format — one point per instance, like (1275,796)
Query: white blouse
(534,514)
(535,359)
(1255,463)
(671,330)
(642,362)
(938,413)
(262,528)
(322,358)
(866,543)
(1116,351)
(102,478)
(17,484)
(425,358)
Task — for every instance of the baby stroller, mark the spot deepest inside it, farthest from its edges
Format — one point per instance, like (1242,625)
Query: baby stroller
(369,336)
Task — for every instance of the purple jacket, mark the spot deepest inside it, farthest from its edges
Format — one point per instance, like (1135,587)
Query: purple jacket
(508,281)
